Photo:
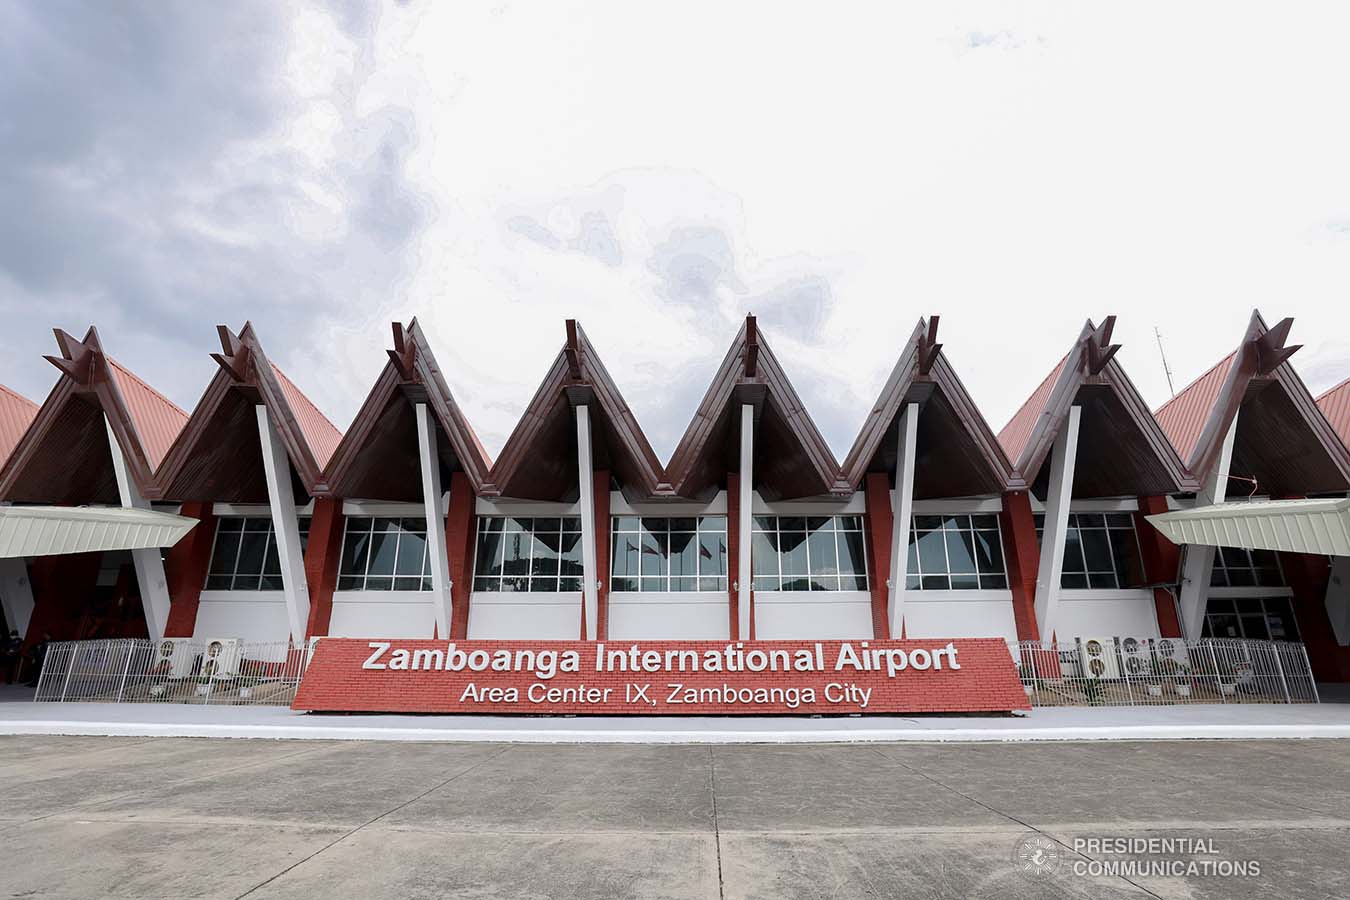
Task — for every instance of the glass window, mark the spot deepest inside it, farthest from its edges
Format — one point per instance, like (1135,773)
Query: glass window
(525,553)
(809,553)
(1235,567)
(244,556)
(1100,551)
(655,553)
(1252,618)
(955,553)
(384,554)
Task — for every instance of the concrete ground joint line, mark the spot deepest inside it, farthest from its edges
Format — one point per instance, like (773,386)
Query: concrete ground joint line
(133,793)
(717,831)
(1006,815)
(387,812)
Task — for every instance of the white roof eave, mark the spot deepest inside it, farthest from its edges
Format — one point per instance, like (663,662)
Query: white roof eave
(1291,526)
(52,530)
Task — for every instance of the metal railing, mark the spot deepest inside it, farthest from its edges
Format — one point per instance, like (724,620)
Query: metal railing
(1164,671)
(174,670)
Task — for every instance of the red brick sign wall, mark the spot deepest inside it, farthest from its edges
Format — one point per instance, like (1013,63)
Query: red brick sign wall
(660,677)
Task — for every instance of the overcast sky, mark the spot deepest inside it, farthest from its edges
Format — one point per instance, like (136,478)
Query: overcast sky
(659,171)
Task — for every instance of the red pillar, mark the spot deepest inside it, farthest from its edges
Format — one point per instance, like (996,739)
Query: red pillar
(602,553)
(459,542)
(733,552)
(879,521)
(186,567)
(1022,555)
(1162,562)
(1307,575)
(323,553)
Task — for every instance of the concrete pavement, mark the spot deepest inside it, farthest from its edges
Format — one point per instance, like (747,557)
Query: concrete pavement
(190,817)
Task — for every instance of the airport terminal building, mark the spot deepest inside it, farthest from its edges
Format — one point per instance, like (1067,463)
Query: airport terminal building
(933,526)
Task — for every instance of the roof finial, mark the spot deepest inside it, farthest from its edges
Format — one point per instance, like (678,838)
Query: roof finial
(234,358)
(404,354)
(929,348)
(572,350)
(1270,348)
(77,357)
(751,346)
(1099,346)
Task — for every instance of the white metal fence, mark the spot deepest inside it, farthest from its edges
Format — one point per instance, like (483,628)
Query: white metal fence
(1164,671)
(174,670)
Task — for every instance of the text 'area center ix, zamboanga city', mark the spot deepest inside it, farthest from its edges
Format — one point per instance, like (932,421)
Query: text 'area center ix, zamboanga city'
(1091,551)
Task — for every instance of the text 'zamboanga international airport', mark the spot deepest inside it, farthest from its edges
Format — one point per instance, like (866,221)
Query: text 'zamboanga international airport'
(1091,552)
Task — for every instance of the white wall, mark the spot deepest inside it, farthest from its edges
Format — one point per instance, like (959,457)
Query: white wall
(959,614)
(251,615)
(1103,613)
(806,615)
(536,616)
(383,614)
(689,616)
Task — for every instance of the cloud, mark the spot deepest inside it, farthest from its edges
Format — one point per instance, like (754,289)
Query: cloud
(183,164)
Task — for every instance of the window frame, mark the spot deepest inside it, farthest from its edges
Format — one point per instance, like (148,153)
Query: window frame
(914,573)
(1087,574)
(719,582)
(756,528)
(345,578)
(269,544)
(479,582)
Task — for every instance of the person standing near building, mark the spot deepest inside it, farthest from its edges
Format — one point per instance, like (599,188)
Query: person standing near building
(10,654)
(36,654)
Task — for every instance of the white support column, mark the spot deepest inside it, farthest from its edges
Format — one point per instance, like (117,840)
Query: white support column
(149,563)
(1198,563)
(1337,599)
(16,594)
(285,525)
(747,516)
(431,503)
(586,479)
(1057,499)
(902,508)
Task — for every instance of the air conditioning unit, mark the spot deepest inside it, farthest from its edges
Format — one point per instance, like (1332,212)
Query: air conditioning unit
(1098,655)
(222,658)
(1173,649)
(175,657)
(1135,657)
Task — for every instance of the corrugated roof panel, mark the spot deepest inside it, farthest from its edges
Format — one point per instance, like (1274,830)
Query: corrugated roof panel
(1295,526)
(157,418)
(1017,432)
(50,530)
(16,414)
(1335,405)
(322,435)
(1183,418)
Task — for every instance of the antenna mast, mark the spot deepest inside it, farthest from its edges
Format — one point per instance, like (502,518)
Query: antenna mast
(1166,369)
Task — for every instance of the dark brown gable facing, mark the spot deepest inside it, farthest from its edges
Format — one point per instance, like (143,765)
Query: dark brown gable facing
(957,453)
(792,458)
(539,459)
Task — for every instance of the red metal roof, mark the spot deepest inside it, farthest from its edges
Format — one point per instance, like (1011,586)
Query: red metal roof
(16,414)
(1014,436)
(321,435)
(1183,418)
(1335,405)
(157,418)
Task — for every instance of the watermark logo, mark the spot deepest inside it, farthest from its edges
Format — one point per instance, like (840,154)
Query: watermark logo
(1036,855)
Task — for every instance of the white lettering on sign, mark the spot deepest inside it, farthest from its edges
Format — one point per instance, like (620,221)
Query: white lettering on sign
(545,664)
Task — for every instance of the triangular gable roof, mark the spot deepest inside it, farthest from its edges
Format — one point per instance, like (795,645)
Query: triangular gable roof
(70,423)
(1335,405)
(195,466)
(922,372)
(802,464)
(1127,458)
(1198,418)
(16,414)
(411,374)
(537,460)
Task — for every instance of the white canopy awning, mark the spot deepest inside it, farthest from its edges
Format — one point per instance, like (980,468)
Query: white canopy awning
(1295,526)
(49,530)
